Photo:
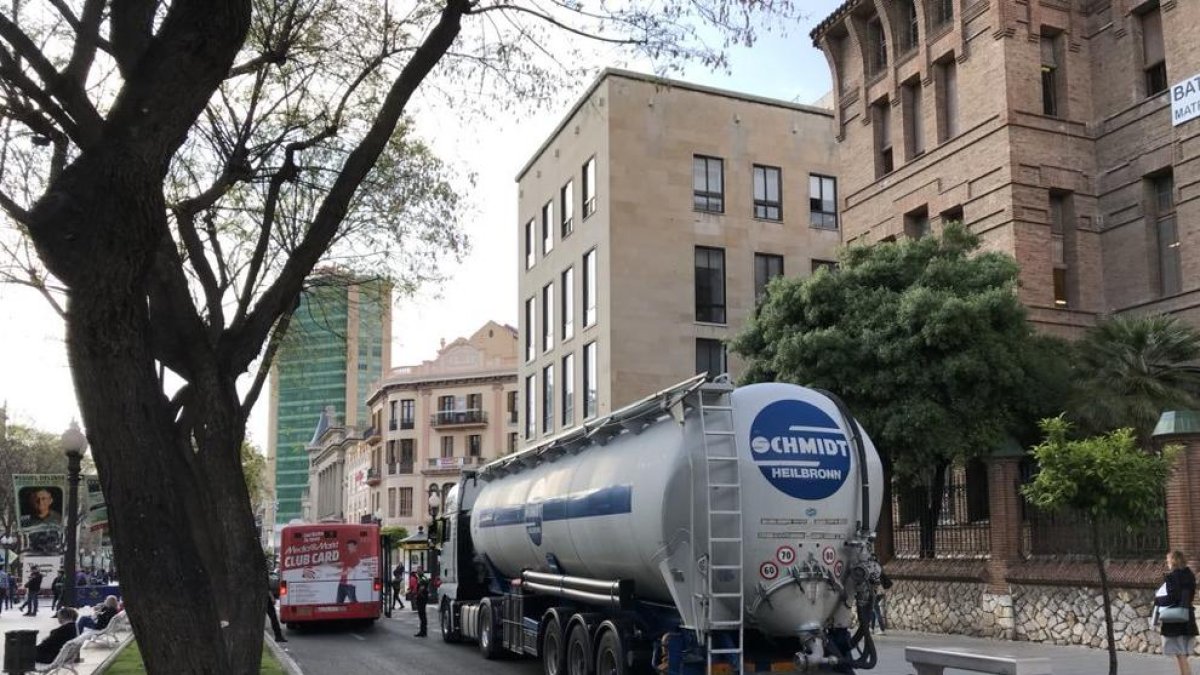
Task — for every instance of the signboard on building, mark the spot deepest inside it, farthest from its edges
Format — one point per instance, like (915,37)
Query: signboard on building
(1185,101)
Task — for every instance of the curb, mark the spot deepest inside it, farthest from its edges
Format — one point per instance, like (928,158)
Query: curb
(285,659)
(112,656)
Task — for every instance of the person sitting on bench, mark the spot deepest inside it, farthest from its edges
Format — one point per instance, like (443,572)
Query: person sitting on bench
(101,615)
(47,650)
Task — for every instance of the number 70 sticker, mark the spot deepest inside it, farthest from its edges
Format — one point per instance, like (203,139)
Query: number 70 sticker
(786,555)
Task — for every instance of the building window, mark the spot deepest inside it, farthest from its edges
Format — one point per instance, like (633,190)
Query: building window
(447,446)
(568,303)
(530,329)
(548,399)
(511,407)
(548,316)
(391,458)
(474,445)
(708,184)
(916,223)
(566,199)
(911,35)
(548,227)
(943,12)
(767,266)
(391,502)
(568,390)
(589,288)
(1059,215)
(818,265)
(914,132)
(710,357)
(530,252)
(445,404)
(822,202)
(1154,57)
(406,504)
(408,452)
(392,421)
(590,385)
(710,284)
(1167,234)
(408,413)
(1050,76)
(881,117)
(947,99)
(512,442)
(530,413)
(768,204)
(475,402)
(953,214)
(877,56)
(589,187)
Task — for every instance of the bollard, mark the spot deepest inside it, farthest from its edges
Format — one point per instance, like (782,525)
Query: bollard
(20,651)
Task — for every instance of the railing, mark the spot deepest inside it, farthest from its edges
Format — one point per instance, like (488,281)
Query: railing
(451,463)
(404,468)
(371,433)
(373,476)
(963,528)
(445,418)
(392,424)
(407,424)
(1069,533)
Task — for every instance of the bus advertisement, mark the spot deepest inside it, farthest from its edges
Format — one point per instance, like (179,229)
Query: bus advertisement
(330,572)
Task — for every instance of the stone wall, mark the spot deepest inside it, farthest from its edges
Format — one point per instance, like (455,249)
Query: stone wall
(954,607)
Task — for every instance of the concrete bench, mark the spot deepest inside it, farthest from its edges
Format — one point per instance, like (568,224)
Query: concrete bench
(935,661)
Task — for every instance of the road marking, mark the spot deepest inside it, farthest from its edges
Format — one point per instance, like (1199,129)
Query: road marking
(358,636)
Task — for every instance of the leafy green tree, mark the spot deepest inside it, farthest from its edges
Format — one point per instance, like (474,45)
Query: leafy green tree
(24,449)
(1106,479)
(254,468)
(178,169)
(926,342)
(1130,369)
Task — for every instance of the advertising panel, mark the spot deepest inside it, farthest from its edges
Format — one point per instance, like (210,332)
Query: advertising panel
(329,565)
(41,501)
(96,517)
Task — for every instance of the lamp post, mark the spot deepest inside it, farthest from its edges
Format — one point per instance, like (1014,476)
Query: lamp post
(6,542)
(73,444)
(435,503)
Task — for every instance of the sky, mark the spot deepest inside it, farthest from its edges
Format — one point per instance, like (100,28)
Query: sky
(35,379)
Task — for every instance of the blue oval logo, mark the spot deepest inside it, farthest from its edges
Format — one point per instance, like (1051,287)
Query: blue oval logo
(799,449)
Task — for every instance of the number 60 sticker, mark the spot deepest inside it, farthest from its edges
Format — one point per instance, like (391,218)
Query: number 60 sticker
(768,570)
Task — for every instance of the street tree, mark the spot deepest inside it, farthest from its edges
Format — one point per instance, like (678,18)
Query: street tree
(254,468)
(24,449)
(180,168)
(1130,369)
(926,342)
(1105,479)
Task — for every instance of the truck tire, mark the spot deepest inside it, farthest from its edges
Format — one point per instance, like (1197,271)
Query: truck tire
(554,653)
(489,648)
(610,655)
(579,651)
(446,621)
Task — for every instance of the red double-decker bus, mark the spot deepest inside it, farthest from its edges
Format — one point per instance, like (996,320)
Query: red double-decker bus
(330,572)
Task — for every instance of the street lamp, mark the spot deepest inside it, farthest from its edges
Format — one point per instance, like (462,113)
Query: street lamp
(7,541)
(73,444)
(435,503)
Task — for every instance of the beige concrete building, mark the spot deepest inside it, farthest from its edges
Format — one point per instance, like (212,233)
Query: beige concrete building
(431,421)
(1046,126)
(648,223)
(333,446)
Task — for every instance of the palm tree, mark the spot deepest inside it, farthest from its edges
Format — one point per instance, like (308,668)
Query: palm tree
(1132,368)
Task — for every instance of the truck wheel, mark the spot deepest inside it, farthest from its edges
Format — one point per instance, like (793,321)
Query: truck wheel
(446,619)
(488,646)
(610,655)
(579,652)
(554,657)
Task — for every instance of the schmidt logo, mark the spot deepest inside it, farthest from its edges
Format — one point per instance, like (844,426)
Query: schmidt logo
(800,449)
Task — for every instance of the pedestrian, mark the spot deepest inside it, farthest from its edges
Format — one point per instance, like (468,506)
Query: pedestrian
(56,588)
(420,598)
(48,649)
(398,586)
(4,602)
(1178,628)
(32,587)
(12,590)
(412,589)
(879,613)
(279,637)
(101,615)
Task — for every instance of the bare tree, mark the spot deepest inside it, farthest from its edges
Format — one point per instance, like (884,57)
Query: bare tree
(180,167)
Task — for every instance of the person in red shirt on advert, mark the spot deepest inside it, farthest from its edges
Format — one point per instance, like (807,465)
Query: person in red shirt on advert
(350,559)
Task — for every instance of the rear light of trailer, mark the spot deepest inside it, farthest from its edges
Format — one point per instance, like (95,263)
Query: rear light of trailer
(282,588)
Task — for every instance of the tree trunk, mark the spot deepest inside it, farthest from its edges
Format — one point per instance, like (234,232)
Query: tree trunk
(1108,620)
(931,509)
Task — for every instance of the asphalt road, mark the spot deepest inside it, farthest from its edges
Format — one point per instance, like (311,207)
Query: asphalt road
(389,647)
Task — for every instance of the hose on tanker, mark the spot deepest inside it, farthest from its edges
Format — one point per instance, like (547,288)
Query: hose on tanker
(860,449)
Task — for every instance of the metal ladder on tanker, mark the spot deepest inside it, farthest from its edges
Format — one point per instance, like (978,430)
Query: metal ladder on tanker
(724,630)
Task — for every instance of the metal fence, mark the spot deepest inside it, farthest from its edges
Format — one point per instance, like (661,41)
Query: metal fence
(963,524)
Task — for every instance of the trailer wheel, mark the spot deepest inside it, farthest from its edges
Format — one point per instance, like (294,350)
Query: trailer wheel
(487,635)
(610,655)
(554,657)
(579,651)
(446,619)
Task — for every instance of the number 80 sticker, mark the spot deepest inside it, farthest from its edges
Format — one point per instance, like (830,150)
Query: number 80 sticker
(768,570)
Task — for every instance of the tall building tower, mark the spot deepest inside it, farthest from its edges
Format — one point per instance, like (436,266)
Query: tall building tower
(337,346)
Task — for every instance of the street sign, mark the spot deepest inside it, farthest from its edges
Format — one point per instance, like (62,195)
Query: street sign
(768,570)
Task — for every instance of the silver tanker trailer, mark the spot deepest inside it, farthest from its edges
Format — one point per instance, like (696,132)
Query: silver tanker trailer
(703,529)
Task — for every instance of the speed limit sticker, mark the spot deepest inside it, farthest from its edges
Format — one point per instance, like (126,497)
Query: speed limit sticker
(837,569)
(828,555)
(786,555)
(768,570)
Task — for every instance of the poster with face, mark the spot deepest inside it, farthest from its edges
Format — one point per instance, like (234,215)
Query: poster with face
(40,505)
(97,507)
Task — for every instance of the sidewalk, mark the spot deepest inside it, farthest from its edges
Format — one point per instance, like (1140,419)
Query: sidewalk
(11,619)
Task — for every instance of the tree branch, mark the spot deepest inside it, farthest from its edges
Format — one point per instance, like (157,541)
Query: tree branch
(130,28)
(268,358)
(555,22)
(87,33)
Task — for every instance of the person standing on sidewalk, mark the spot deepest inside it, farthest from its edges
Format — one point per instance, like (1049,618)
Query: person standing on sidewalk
(32,588)
(56,587)
(420,599)
(1179,637)
(398,589)
(12,590)
(4,601)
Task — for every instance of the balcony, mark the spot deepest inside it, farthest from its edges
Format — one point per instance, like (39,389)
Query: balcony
(392,424)
(373,477)
(407,424)
(458,418)
(371,435)
(440,465)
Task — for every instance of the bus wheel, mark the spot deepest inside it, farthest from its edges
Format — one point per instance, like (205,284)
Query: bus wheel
(610,655)
(554,657)
(579,651)
(446,619)
(488,646)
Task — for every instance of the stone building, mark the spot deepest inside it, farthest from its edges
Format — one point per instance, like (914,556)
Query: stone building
(1046,126)
(430,421)
(649,222)
(333,445)
(1056,131)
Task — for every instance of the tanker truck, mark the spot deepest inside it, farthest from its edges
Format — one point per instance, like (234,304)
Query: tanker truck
(703,529)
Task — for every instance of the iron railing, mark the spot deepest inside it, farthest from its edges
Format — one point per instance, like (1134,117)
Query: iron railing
(963,528)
